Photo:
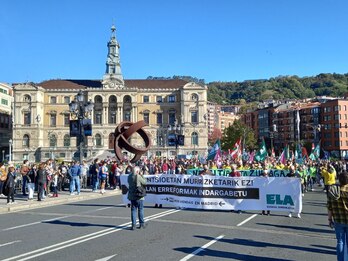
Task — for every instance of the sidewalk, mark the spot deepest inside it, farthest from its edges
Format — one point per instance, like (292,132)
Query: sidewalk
(21,202)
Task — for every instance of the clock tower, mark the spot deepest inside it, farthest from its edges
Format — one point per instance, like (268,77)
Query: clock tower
(113,75)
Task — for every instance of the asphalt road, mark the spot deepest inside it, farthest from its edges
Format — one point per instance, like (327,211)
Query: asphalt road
(98,229)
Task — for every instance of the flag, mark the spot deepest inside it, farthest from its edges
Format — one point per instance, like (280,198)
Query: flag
(214,150)
(218,159)
(298,154)
(304,152)
(315,152)
(236,152)
(252,156)
(285,155)
(261,154)
(282,157)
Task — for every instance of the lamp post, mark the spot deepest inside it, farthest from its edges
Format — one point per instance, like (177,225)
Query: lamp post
(80,110)
(3,155)
(10,150)
(194,124)
(177,129)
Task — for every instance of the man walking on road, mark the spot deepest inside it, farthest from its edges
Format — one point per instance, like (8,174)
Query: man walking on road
(135,179)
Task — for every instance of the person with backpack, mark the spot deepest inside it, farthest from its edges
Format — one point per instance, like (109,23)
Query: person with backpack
(135,180)
(337,204)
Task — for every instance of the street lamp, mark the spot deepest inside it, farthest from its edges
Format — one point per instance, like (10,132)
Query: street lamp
(10,150)
(195,139)
(177,129)
(80,110)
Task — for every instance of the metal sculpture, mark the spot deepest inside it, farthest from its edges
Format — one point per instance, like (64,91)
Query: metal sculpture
(122,134)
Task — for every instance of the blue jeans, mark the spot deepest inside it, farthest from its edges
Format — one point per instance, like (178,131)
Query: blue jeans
(95,183)
(24,184)
(342,240)
(137,204)
(118,181)
(75,181)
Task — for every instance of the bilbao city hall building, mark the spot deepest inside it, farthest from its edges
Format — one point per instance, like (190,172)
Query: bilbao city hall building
(173,107)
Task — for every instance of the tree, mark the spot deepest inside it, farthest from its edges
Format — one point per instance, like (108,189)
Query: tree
(234,132)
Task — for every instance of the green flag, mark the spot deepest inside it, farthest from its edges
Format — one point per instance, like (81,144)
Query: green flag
(261,154)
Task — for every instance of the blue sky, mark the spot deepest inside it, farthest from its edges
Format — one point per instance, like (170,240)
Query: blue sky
(217,40)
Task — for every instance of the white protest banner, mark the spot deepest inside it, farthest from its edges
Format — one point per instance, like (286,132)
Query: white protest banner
(222,193)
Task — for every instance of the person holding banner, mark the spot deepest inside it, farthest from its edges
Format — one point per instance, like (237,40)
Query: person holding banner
(265,175)
(293,174)
(135,179)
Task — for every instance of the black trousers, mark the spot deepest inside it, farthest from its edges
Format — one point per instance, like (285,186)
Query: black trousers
(40,190)
(10,194)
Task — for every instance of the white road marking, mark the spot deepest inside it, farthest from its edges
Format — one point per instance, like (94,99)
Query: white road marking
(201,248)
(106,258)
(53,219)
(81,239)
(34,223)
(10,243)
(248,219)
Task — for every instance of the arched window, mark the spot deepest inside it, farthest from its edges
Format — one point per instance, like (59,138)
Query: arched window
(27,98)
(98,140)
(53,140)
(98,110)
(66,140)
(194,138)
(194,97)
(127,108)
(112,109)
(26,141)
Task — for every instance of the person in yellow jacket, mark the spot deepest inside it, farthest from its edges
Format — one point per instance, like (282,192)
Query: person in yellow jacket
(329,176)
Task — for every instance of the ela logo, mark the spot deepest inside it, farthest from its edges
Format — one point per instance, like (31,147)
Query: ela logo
(275,199)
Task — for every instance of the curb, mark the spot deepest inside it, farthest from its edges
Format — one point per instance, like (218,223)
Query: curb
(54,201)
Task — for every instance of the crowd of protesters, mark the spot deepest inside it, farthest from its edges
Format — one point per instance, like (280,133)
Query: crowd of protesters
(50,177)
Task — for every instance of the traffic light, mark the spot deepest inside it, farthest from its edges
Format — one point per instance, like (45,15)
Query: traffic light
(181,140)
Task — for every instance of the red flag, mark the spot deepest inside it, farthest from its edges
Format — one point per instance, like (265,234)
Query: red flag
(304,152)
(237,150)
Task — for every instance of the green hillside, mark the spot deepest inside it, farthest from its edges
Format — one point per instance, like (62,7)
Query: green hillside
(292,87)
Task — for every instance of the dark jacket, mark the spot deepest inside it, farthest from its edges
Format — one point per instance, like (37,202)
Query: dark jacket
(41,176)
(10,183)
(32,175)
(135,181)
